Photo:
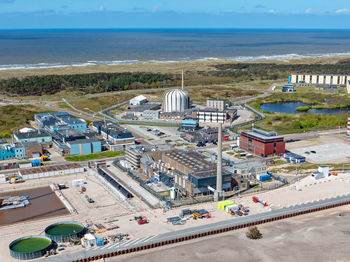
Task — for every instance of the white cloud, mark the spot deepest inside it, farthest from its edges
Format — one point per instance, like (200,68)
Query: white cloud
(272,11)
(101,8)
(308,11)
(342,11)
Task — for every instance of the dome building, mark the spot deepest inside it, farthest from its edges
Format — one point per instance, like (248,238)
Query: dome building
(176,100)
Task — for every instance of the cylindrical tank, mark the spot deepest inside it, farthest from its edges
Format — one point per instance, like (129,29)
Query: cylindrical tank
(172,193)
(65,231)
(30,247)
(175,101)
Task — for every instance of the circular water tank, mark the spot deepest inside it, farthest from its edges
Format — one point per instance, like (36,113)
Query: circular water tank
(30,247)
(175,100)
(65,231)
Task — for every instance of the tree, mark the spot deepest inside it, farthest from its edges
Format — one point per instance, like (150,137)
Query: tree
(253,233)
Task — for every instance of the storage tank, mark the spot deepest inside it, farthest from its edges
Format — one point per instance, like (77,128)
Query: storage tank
(65,231)
(172,193)
(30,247)
(176,100)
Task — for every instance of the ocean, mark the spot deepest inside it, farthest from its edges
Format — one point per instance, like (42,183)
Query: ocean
(20,49)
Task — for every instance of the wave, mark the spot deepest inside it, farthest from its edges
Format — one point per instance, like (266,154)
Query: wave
(126,62)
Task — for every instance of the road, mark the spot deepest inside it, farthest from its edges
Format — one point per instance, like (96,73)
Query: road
(196,230)
(309,135)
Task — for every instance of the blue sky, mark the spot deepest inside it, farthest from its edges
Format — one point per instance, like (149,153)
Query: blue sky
(174,13)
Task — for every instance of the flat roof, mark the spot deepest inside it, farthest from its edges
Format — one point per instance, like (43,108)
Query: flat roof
(33,134)
(43,169)
(262,134)
(144,107)
(192,160)
(140,149)
(83,141)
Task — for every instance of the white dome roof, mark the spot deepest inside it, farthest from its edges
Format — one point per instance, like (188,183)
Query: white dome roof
(175,100)
(26,130)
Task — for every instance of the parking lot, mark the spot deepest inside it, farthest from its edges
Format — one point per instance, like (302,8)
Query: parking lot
(334,152)
(327,149)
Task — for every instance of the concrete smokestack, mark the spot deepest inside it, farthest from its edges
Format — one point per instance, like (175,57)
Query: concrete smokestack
(218,195)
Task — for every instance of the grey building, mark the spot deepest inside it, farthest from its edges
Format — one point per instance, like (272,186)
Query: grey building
(219,104)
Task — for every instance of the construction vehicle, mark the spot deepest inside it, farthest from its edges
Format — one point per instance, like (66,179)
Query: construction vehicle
(16,179)
(141,220)
(44,158)
(334,173)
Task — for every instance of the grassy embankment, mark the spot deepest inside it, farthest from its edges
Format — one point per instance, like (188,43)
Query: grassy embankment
(303,122)
(95,156)
(13,118)
(300,168)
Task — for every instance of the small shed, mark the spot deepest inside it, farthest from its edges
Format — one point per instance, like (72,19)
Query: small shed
(88,240)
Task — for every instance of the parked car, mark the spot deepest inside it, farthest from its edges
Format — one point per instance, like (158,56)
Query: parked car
(200,144)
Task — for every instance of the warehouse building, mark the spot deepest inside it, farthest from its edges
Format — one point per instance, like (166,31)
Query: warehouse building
(196,175)
(47,171)
(116,136)
(84,146)
(134,153)
(319,79)
(138,111)
(33,136)
(150,114)
(205,135)
(33,149)
(59,121)
(261,143)
(139,100)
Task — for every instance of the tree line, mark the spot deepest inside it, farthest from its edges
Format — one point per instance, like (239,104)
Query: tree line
(85,83)
(273,71)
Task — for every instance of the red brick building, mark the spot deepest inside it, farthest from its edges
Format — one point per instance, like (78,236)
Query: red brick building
(261,143)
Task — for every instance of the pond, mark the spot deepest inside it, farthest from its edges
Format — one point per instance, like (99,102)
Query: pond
(290,108)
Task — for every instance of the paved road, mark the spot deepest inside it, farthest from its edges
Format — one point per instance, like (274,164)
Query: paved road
(309,135)
(195,230)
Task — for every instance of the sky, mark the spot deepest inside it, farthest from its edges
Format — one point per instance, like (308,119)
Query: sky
(174,14)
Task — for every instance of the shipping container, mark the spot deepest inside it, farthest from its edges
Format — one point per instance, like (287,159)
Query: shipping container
(264,177)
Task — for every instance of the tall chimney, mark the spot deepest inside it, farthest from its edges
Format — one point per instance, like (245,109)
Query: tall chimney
(182,83)
(218,195)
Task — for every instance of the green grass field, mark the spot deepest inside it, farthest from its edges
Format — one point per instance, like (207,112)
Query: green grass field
(95,156)
(13,118)
(304,122)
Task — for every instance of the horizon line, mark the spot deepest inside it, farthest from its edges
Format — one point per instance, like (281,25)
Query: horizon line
(173,28)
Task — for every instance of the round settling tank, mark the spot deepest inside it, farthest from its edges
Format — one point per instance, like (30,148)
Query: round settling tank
(65,231)
(30,247)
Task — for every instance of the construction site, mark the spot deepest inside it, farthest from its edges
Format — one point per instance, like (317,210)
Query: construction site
(115,211)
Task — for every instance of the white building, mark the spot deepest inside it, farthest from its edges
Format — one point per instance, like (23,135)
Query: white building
(319,79)
(88,240)
(139,100)
(219,104)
